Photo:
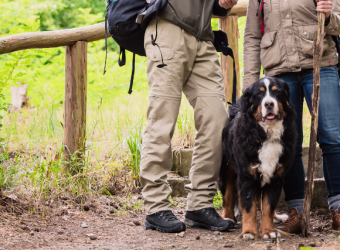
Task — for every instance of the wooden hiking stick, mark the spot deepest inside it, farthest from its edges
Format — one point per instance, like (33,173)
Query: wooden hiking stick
(318,50)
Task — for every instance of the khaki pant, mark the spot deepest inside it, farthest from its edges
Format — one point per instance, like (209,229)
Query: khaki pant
(192,68)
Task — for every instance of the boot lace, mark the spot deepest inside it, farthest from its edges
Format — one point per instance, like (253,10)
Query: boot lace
(212,214)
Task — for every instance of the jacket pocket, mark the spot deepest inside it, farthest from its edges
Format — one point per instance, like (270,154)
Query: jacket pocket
(270,50)
(307,35)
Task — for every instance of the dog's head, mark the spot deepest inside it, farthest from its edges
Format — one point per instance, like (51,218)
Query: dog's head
(267,100)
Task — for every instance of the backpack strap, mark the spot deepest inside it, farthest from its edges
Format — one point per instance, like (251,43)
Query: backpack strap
(233,96)
(121,62)
(153,40)
(221,45)
(105,43)
(260,14)
(132,73)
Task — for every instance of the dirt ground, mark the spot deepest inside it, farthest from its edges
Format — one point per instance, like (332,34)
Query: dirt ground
(65,225)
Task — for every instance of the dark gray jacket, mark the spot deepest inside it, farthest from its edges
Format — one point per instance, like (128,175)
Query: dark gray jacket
(194,16)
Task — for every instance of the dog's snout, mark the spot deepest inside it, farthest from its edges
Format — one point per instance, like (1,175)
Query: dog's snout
(269,105)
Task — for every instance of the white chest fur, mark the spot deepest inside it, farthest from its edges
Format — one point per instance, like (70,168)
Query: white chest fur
(271,150)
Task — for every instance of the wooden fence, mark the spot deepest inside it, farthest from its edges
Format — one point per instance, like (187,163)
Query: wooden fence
(76,41)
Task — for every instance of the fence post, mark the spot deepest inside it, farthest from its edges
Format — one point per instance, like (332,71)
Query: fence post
(75,99)
(230,26)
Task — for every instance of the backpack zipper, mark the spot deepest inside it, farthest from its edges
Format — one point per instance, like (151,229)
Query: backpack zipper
(198,37)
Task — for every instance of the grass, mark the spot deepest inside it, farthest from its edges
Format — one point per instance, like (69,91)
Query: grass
(33,162)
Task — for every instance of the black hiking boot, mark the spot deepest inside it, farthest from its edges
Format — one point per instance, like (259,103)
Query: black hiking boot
(207,218)
(165,222)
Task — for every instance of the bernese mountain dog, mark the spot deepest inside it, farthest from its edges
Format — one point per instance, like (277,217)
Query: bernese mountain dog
(258,149)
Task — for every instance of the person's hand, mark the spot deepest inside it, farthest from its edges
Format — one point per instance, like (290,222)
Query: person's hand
(227,4)
(324,6)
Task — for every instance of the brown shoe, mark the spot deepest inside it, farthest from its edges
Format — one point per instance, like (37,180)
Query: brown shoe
(293,223)
(335,219)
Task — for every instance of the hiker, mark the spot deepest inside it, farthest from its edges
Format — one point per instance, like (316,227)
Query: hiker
(280,38)
(191,65)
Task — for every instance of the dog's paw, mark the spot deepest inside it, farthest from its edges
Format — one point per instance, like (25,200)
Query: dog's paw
(247,236)
(272,235)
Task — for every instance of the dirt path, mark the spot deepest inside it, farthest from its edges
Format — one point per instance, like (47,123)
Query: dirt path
(69,228)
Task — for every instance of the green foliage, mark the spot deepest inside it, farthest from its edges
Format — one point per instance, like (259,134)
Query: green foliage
(127,205)
(176,203)
(16,18)
(62,14)
(135,148)
(307,248)
(218,200)
(3,107)
(8,175)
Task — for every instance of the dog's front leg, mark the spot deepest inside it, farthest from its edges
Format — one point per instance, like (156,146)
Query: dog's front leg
(270,198)
(247,203)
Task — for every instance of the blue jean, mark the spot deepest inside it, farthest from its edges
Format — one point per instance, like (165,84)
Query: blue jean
(301,86)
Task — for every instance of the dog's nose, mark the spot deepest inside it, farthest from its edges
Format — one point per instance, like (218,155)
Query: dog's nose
(269,105)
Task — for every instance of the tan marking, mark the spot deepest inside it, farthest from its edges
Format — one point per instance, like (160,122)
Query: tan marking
(279,170)
(274,88)
(258,113)
(253,168)
(282,113)
(229,197)
(262,89)
(249,224)
(267,216)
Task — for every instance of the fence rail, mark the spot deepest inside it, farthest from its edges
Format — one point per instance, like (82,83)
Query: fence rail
(76,41)
(50,39)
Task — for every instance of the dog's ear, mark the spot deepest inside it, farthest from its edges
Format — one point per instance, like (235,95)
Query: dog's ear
(245,100)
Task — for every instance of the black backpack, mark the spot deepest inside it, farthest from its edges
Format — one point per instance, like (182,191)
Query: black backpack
(127,21)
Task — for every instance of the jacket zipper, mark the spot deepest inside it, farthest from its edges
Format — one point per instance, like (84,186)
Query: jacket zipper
(202,23)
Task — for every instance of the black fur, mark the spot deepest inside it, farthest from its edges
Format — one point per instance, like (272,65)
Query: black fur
(243,138)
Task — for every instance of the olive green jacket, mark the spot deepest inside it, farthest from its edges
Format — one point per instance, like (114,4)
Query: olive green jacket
(287,44)
(194,16)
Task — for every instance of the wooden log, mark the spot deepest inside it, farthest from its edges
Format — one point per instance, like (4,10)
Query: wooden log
(75,99)
(318,50)
(230,26)
(51,39)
